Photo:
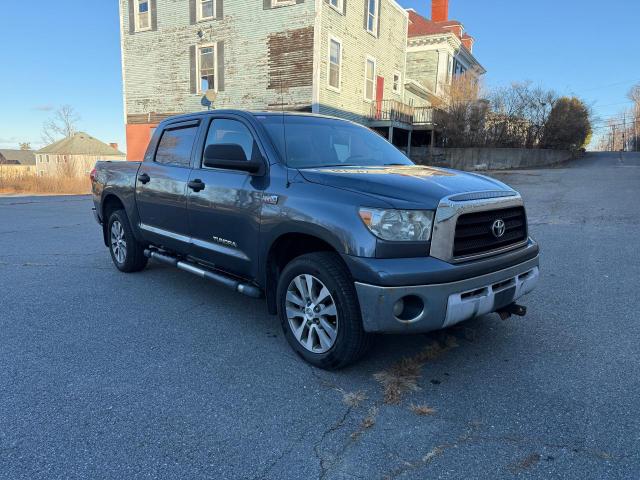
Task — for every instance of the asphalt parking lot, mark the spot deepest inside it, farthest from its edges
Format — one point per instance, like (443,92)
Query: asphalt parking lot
(163,375)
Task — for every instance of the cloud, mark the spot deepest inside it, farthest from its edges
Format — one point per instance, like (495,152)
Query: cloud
(44,108)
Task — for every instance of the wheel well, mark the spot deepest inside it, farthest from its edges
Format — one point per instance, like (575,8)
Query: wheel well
(283,250)
(110,204)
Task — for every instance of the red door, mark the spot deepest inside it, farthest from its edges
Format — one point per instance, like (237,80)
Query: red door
(379,95)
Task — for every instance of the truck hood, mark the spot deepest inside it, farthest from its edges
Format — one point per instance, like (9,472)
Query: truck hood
(403,186)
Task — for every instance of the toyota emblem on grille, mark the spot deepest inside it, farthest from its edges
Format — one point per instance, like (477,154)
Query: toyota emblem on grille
(498,228)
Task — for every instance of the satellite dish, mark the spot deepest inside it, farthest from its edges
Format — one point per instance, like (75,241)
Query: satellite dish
(211,95)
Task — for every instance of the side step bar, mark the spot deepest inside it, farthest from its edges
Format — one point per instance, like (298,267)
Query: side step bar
(244,288)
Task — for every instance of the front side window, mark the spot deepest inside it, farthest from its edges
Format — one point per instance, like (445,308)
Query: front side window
(313,142)
(372,16)
(207,67)
(143,15)
(369,79)
(335,63)
(175,146)
(224,131)
(206,9)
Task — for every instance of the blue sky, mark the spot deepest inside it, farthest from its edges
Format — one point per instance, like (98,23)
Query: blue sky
(71,55)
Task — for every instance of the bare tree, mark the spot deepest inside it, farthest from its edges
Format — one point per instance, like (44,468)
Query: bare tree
(62,124)
(634,96)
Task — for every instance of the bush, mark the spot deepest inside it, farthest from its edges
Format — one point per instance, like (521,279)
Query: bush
(12,182)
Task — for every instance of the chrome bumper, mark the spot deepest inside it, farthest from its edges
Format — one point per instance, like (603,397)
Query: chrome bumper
(445,304)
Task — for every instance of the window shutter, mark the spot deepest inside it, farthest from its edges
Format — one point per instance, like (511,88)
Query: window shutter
(219,10)
(344,7)
(366,14)
(132,16)
(379,16)
(299,1)
(220,65)
(192,12)
(266,4)
(194,69)
(154,15)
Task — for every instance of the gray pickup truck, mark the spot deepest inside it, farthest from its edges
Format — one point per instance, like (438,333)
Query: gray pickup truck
(341,233)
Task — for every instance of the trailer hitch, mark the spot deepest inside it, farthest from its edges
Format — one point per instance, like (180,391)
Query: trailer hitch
(512,309)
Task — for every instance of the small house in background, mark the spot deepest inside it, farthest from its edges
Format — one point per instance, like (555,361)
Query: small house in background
(75,155)
(17,162)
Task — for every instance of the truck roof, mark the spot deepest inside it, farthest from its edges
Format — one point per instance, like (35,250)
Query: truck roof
(255,113)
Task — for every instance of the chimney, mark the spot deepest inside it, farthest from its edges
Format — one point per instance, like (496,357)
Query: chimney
(114,146)
(439,10)
(467,41)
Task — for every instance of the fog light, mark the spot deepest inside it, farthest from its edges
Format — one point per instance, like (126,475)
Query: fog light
(408,308)
(398,308)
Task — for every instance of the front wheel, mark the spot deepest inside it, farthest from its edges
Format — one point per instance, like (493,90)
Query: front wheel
(319,311)
(126,252)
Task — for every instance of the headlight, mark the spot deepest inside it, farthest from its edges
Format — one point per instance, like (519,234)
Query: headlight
(398,225)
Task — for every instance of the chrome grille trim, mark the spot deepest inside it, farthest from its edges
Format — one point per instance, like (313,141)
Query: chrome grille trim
(446,218)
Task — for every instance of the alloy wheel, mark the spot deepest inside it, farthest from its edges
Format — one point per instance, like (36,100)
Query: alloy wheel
(312,313)
(118,243)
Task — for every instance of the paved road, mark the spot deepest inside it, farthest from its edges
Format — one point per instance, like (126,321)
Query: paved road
(162,375)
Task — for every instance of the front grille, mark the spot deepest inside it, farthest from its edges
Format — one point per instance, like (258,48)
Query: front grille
(474,233)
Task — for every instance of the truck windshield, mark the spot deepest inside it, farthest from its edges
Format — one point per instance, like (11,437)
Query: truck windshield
(311,142)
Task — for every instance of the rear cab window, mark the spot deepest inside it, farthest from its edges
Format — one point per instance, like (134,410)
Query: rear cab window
(176,144)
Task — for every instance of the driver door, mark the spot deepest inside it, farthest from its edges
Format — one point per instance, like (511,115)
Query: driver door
(224,216)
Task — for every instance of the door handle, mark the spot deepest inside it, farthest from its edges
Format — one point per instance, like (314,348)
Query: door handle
(196,185)
(144,178)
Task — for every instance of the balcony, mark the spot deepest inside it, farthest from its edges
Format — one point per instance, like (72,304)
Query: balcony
(389,112)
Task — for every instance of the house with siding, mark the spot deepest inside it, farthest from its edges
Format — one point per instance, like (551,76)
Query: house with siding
(75,155)
(346,58)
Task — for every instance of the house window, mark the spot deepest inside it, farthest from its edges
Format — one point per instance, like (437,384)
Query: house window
(206,9)
(369,79)
(143,15)
(396,82)
(47,158)
(372,16)
(335,63)
(207,68)
(337,5)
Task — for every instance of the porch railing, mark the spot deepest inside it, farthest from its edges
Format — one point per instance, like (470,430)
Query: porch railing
(396,111)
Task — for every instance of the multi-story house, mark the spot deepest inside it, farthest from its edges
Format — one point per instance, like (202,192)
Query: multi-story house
(340,57)
(330,56)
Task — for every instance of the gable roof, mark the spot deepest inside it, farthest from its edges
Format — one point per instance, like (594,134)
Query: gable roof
(23,157)
(80,144)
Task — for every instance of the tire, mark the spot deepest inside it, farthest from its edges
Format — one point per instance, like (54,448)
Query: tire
(126,252)
(333,291)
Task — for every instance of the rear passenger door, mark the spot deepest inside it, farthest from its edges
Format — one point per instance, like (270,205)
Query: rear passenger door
(224,216)
(161,187)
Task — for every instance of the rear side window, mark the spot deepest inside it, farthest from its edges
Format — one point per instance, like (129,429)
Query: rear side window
(175,146)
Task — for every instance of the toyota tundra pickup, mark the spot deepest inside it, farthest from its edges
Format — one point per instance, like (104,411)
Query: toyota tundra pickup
(335,227)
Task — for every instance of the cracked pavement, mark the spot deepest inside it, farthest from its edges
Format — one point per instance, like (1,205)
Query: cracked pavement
(163,375)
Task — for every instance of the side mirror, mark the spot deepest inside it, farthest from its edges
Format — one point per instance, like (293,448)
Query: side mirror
(231,156)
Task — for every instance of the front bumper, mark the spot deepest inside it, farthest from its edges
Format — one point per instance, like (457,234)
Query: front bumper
(445,304)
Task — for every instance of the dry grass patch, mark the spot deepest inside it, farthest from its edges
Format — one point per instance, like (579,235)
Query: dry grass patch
(17,183)
(422,410)
(354,399)
(403,376)
(367,422)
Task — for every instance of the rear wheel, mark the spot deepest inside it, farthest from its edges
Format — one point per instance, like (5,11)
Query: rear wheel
(319,311)
(126,252)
